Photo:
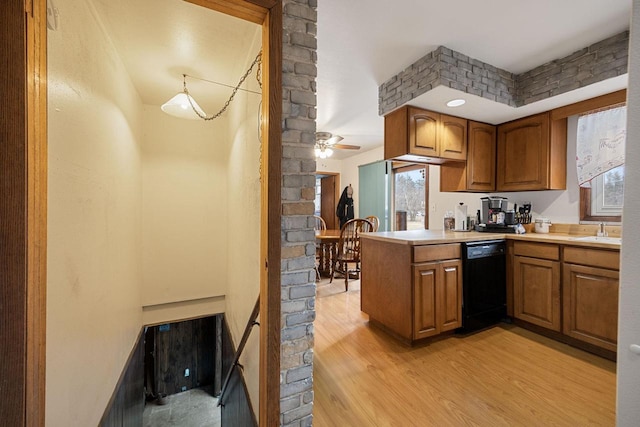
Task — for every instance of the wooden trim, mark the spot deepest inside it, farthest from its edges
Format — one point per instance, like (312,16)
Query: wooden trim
(585,209)
(249,10)
(23,177)
(270,298)
(589,104)
(36,212)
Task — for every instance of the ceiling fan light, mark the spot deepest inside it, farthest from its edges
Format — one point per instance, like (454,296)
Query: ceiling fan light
(328,152)
(317,151)
(179,106)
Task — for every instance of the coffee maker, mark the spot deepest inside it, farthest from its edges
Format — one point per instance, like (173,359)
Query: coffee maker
(495,217)
(493,210)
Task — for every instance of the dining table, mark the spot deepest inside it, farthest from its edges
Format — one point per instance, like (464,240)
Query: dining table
(327,241)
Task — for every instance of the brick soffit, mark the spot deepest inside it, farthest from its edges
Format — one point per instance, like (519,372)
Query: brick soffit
(446,67)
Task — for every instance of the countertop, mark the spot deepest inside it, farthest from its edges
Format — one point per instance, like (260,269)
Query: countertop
(431,237)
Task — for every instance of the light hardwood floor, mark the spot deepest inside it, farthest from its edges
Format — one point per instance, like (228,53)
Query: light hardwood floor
(504,376)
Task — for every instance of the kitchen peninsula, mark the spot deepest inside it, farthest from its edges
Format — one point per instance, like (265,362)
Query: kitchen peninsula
(563,284)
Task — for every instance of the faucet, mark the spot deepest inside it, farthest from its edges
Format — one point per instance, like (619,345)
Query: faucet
(602,232)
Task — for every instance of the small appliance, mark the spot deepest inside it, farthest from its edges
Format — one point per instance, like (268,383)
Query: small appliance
(495,217)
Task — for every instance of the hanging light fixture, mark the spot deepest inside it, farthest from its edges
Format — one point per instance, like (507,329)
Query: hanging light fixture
(185,107)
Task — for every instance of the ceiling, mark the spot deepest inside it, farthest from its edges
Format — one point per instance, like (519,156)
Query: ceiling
(361,44)
(159,40)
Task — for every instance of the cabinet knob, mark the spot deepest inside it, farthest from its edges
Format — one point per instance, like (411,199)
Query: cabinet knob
(635,348)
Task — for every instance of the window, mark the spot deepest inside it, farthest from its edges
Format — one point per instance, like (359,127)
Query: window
(410,197)
(601,198)
(606,193)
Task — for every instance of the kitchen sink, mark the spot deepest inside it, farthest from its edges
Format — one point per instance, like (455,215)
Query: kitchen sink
(599,239)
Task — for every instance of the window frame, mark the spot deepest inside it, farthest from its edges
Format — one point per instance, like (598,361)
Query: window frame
(399,167)
(586,213)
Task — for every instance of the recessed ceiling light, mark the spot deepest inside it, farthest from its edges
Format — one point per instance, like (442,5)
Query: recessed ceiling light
(456,102)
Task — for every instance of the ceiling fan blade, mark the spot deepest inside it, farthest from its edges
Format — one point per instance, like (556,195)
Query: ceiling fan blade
(333,140)
(346,146)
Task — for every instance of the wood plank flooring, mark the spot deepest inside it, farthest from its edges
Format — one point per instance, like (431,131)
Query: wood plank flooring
(504,376)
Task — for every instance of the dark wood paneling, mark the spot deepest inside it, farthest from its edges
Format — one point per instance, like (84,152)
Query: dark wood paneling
(236,409)
(13,231)
(127,402)
(185,345)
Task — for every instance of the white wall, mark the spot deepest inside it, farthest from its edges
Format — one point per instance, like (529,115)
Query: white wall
(243,213)
(93,285)
(348,170)
(628,410)
(184,199)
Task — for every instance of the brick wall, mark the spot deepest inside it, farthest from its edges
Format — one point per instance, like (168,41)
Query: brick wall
(298,194)
(443,66)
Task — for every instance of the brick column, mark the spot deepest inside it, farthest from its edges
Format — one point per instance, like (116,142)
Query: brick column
(298,194)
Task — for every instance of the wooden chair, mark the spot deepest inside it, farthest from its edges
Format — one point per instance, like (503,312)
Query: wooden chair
(349,248)
(320,224)
(374,221)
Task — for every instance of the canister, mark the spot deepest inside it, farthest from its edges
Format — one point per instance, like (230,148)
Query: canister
(542,225)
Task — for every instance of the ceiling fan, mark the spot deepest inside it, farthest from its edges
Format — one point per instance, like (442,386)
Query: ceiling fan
(326,142)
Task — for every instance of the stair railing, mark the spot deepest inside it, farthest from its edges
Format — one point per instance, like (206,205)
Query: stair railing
(245,336)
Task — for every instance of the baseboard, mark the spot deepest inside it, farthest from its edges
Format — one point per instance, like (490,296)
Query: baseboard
(126,405)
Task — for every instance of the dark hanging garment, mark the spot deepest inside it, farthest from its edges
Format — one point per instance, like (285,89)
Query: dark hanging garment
(344,212)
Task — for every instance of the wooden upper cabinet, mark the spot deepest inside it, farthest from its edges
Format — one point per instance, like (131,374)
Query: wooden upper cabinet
(479,172)
(423,132)
(416,135)
(532,154)
(481,161)
(452,138)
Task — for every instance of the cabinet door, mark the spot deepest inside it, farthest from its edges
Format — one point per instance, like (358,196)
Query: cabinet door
(423,132)
(536,291)
(590,300)
(481,159)
(523,154)
(425,289)
(452,138)
(450,295)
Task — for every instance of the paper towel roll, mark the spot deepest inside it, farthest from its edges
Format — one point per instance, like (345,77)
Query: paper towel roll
(461,217)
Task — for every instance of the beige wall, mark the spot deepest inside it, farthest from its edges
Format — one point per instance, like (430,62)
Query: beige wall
(184,199)
(94,241)
(243,211)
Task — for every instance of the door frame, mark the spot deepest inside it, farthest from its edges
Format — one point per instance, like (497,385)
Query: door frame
(23,212)
(337,190)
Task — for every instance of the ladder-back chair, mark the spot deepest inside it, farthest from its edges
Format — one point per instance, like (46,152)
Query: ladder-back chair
(348,251)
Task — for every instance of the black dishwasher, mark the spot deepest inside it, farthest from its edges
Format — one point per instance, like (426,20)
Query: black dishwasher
(484,300)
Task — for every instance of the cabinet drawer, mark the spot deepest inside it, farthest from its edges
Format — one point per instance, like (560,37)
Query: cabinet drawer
(537,250)
(592,257)
(436,252)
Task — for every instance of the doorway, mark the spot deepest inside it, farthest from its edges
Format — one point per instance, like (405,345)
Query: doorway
(327,187)
(24,175)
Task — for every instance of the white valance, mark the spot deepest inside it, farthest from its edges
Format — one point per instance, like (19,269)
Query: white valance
(600,143)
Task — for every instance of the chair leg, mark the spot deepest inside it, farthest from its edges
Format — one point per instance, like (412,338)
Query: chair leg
(333,270)
(346,277)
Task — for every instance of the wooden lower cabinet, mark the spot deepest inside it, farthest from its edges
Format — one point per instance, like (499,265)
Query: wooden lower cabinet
(536,292)
(590,311)
(437,298)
